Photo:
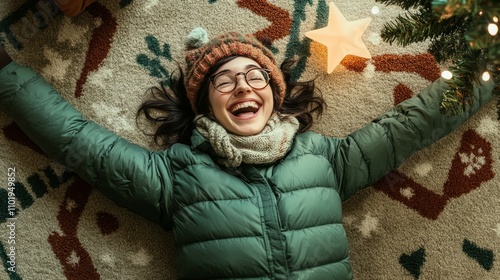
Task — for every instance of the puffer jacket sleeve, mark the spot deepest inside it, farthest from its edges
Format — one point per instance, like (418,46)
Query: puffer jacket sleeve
(128,174)
(365,156)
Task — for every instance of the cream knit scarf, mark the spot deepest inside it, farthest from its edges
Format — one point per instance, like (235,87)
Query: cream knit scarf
(266,147)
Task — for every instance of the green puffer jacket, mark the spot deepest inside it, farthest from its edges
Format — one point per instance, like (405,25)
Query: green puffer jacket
(254,222)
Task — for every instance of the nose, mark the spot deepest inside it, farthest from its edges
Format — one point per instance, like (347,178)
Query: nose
(241,84)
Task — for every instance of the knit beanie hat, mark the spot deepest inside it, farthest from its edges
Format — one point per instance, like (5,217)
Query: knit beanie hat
(206,53)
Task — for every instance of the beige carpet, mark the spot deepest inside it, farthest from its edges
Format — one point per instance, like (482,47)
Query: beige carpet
(437,217)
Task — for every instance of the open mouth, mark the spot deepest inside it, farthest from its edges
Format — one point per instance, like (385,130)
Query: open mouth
(245,109)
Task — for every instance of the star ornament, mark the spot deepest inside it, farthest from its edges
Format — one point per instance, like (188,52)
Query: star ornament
(341,37)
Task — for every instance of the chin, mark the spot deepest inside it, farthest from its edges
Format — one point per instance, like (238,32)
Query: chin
(247,131)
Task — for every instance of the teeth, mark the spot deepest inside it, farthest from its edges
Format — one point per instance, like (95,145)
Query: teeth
(244,105)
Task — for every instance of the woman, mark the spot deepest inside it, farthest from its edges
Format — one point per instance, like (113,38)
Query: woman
(248,193)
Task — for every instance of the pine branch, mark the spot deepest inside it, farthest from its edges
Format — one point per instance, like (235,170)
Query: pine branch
(421,25)
(447,47)
(458,31)
(406,4)
(447,43)
(466,73)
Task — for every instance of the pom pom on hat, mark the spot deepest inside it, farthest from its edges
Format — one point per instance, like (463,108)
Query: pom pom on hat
(197,38)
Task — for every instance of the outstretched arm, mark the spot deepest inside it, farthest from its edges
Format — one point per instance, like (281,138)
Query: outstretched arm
(366,155)
(128,174)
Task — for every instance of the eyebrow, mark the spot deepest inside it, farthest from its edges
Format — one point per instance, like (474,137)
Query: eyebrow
(250,66)
(247,67)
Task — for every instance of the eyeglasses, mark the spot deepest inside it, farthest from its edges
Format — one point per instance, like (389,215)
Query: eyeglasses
(225,81)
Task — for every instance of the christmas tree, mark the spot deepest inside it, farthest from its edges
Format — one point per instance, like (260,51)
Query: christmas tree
(461,32)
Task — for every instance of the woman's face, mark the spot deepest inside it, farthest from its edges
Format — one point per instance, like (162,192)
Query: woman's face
(244,110)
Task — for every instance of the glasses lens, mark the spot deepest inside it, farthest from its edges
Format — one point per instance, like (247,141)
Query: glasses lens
(225,82)
(257,78)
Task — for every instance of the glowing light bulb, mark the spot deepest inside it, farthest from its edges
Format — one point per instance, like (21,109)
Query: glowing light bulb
(447,74)
(375,10)
(492,29)
(495,19)
(486,76)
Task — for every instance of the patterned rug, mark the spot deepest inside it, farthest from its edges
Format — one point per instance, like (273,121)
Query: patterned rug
(436,217)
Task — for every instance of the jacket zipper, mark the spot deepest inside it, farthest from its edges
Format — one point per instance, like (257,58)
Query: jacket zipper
(272,221)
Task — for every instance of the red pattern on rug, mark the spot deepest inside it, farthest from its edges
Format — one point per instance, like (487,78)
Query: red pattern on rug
(74,258)
(100,43)
(471,166)
(280,19)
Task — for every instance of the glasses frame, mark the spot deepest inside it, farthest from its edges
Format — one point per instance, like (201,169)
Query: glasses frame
(213,77)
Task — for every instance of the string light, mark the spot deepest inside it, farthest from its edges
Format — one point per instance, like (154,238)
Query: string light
(375,10)
(447,74)
(495,19)
(492,29)
(486,76)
